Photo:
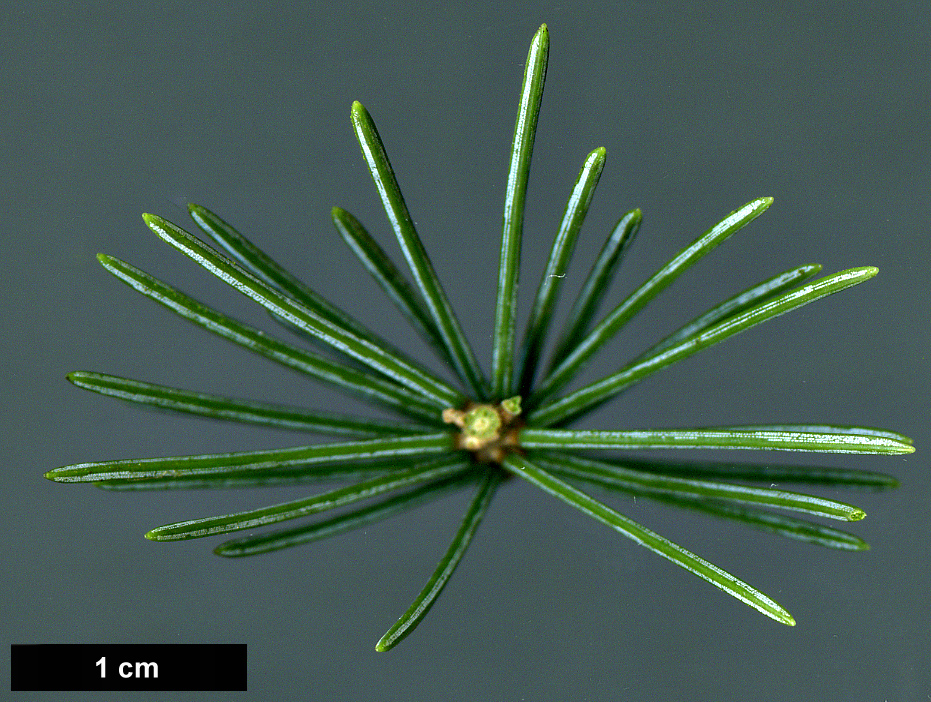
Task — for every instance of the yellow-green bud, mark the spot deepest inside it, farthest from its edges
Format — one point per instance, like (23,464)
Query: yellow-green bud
(482,423)
(511,405)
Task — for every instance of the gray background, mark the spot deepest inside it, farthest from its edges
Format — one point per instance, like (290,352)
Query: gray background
(110,111)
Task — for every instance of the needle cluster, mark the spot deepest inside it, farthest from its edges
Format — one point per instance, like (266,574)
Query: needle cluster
(471,430)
